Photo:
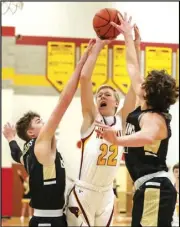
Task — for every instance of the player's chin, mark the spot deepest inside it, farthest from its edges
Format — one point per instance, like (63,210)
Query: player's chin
(103,111)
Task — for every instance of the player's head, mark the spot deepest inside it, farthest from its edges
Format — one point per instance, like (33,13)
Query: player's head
(107,100)
(29,126)
(160,90)
(176,171)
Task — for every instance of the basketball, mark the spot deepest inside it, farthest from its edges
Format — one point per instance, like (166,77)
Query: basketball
(102,26)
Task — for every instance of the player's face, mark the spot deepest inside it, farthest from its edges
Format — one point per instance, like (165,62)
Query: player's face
(36,125)
(176,174)
(106,102)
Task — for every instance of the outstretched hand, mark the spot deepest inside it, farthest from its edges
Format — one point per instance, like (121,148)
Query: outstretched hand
(125,27)
(107,132)
(9,131)
(87,51)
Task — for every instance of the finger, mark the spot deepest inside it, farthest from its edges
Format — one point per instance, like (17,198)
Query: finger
(8,124)
(5,126)
(91,42)
(100,133)
(115,25)
(120,17)
(133,26)
(136,28)
(130,19)
(125,16)
(90,45)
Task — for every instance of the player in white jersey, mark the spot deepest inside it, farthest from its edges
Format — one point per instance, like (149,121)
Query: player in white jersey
(91,200)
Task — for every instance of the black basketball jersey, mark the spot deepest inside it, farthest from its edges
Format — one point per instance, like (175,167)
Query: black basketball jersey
(149,159)
(47,183)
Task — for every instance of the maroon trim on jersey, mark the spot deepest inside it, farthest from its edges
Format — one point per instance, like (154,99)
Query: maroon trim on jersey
(81,207)
(82,151)
(110,219)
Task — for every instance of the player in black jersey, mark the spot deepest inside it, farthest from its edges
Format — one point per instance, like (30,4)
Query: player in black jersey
(40,157)
(146,140)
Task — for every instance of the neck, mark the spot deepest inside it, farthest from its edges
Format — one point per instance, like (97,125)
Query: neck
(144,106)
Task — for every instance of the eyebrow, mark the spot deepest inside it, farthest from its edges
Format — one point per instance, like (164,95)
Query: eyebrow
(107,92)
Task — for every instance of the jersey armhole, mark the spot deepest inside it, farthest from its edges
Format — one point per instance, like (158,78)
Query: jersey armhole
(88,132)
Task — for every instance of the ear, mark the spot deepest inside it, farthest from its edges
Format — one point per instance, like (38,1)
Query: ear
(30,133)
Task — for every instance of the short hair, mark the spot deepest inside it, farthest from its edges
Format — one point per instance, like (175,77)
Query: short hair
(24,123)
(161,90)
(176,166)
(110,87)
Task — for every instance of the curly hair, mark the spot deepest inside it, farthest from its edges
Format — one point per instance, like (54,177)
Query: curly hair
(160,90)
(24,123)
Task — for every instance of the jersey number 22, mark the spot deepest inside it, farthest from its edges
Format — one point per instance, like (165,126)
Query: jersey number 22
(111,159)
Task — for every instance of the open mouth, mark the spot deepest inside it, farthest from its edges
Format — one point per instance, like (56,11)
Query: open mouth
(103,104)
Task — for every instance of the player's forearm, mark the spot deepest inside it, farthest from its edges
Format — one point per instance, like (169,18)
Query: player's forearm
(131,56)
(138,52)
(16,152)
(65,99)
(72,84)
(138,139)
(89,66)
(132,64)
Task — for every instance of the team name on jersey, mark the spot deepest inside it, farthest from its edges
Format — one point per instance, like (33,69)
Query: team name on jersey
(27,146)
(118,133)
(130,129)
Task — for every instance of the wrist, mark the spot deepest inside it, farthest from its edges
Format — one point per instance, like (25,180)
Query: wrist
(98,47)
(137,42)
(9,139)
(128,36)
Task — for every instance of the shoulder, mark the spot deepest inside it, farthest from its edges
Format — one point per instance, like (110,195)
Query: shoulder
(152,118)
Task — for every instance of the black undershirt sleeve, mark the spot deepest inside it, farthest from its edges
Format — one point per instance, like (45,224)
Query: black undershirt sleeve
(16,152)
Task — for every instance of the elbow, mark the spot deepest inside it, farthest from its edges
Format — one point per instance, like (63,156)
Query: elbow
(84,78)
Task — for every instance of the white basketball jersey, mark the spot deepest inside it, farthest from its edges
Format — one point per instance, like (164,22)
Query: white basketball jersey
(100,159)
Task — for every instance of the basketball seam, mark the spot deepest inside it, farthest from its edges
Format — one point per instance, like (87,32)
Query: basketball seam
(107,32)
(109,15)
(107,23)
(101,17)
(102,25)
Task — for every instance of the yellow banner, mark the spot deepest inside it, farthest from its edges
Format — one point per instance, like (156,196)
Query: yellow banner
(177,68)
(60,63)
(120,75)
(100,72)
(158,58)
(7,73)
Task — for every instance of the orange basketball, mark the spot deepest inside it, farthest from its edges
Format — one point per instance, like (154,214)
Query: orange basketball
(102,26)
